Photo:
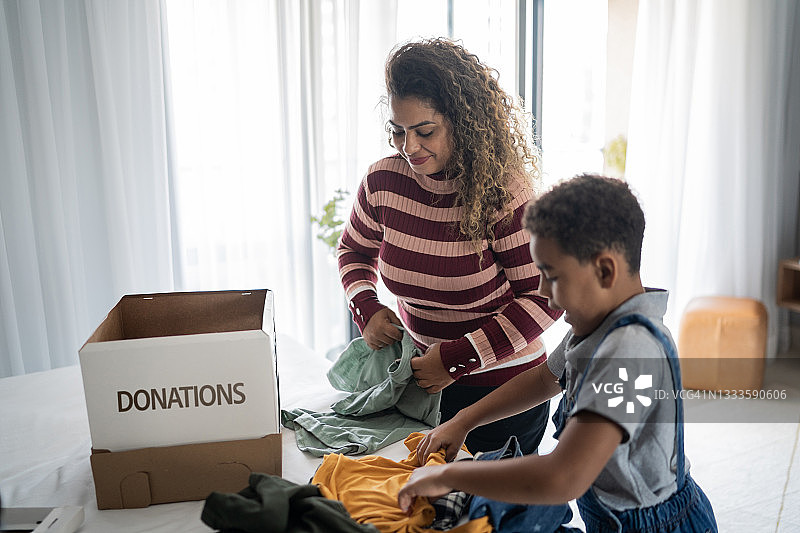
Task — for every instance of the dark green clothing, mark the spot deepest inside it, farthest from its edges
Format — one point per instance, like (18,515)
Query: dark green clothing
(271,504)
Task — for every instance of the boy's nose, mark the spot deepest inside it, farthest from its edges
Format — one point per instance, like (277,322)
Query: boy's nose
(544,288)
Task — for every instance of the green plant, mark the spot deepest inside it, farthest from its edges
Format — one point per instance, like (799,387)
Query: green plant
(329,222)
(615,153)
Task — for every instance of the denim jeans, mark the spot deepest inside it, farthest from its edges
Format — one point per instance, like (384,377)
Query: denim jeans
(517,518)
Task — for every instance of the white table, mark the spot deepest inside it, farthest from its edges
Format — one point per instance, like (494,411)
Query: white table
(45,444)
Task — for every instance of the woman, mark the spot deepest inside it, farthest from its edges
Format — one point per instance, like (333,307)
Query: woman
(441,220)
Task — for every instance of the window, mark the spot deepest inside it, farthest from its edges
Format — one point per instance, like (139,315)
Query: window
(573,88)
(276,106)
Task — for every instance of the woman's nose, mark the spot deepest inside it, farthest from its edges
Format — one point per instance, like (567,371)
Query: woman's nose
(410,144)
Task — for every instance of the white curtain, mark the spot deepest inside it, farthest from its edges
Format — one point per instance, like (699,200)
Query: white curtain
(714,148)
(275,109)
(84,209)
(154,146)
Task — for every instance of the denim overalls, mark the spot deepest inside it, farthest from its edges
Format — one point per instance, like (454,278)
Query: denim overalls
(686,511)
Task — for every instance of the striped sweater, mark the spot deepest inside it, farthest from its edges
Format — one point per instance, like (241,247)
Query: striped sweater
(485,312)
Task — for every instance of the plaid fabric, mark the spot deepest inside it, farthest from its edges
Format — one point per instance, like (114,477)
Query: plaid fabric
(450,509)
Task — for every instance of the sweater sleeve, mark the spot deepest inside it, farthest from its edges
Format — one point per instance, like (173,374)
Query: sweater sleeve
(520,322)
(357,255)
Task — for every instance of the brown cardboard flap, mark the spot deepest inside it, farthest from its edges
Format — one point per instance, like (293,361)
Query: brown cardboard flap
(110,328)
(160,315)
(138,478)
(141,316)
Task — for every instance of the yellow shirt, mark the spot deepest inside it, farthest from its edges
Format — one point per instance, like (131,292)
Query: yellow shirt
(368,487)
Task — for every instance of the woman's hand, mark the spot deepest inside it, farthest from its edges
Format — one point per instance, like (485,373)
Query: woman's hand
(429,370)
(381,330)
(449,436)
(424,481)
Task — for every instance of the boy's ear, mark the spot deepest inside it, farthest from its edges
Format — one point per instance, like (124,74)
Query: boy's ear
(606,269)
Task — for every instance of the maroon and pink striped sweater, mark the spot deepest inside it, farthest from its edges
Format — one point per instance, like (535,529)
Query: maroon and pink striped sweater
(486,313)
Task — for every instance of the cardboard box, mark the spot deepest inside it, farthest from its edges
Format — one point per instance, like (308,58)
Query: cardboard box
(182,396)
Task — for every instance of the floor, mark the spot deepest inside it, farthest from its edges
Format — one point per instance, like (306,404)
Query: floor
(751,471)
(745,454)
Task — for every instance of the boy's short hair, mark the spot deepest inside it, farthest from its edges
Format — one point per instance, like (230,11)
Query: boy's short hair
(588,214)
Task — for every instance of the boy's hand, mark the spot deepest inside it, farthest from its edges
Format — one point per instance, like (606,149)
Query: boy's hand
(381,331)
(425,481)
(429,370)
(448,435)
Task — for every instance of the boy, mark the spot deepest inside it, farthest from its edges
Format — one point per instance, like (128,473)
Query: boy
(623,461)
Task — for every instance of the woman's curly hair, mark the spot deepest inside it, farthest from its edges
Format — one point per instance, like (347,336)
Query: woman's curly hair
(490,136)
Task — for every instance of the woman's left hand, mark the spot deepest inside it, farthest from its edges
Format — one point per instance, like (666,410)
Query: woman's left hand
(429,370)
(424,481)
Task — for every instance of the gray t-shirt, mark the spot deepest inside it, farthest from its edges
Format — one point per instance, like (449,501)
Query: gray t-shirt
(628,382)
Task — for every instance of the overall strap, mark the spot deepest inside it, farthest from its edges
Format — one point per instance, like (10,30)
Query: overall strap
(672,358)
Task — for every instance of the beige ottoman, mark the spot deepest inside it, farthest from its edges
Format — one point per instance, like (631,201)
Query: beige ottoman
(722,343)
